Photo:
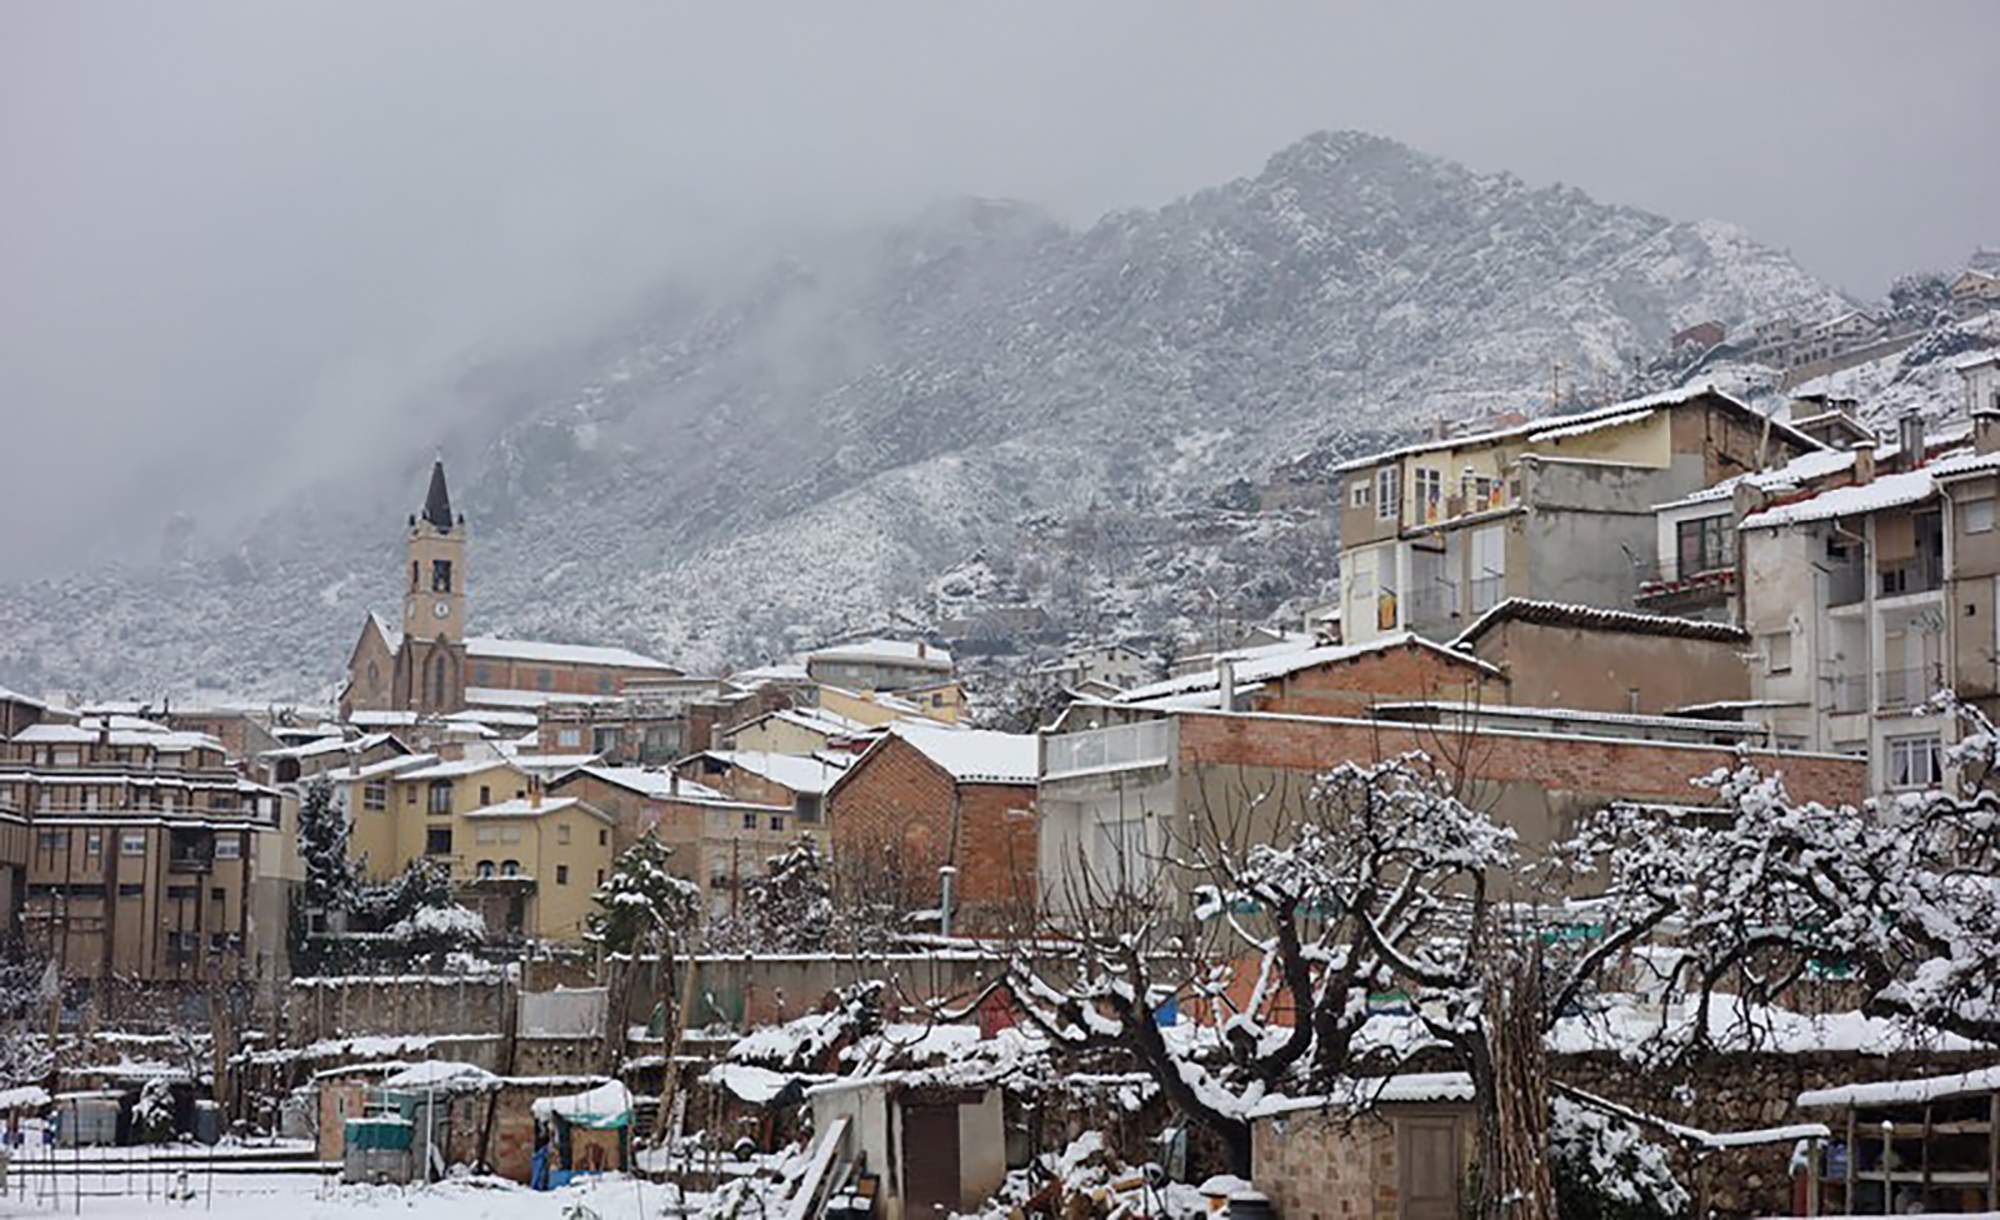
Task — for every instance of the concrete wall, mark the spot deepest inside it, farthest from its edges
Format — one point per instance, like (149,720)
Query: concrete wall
(1598,670)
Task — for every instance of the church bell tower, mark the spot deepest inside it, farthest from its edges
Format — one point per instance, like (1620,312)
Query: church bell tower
(434,603)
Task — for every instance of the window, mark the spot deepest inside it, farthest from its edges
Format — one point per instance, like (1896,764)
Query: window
(569,739)
(1357,494)
(482,675)
(510,868)
(1478,493)
(604,740)
(132,843)
(440,575)
(805,807)
(562,833)
(600,878)
(485,870)
(1778,652)
(1915,761)
(414,569)
(228,847)
(604,684)
(375,795)
(1388,492)
(1707,544)
(1430,494)
(544,679)
(749,821)
(440,798)
(603,837)
(1978,515)
(777,821)
(409,796)
(52,840)
(562,874)
(437,841)
(93,842)
(485,796)
(218,894)
(486,834)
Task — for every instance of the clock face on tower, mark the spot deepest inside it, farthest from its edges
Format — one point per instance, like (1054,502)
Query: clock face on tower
(442,609)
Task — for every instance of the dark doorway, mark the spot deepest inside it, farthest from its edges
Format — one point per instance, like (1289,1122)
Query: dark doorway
(930,1162)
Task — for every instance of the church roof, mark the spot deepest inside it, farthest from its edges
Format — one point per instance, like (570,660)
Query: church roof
(437,503)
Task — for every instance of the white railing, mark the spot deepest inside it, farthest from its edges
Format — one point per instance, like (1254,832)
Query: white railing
(1147,743)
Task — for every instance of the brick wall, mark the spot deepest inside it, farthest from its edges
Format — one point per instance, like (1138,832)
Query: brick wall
(1597,767)
(1343,688)
(896,806)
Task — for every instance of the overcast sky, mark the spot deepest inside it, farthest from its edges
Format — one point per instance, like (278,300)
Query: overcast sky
(235,236)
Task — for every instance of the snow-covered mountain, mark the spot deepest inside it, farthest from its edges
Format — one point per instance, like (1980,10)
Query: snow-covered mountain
(1124,425)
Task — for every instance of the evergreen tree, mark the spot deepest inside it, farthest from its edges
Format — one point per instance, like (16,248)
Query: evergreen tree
(333,883)
(791,907)
(642,907)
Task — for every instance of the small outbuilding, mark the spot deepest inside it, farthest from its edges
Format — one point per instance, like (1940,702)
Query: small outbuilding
(1903,1146)
(921,1149)
(1381,1148)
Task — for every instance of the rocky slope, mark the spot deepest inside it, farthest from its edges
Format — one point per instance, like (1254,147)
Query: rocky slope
(1123,425)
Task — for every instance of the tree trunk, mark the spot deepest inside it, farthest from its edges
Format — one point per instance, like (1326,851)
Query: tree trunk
(1515,1183)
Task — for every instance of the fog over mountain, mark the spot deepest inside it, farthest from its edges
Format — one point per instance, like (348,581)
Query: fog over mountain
(738,327)
(977,407)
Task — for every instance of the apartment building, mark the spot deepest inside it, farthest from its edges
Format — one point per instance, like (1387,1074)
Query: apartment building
(1865,600)
(141,847)
(879,665)
(1122,785)
(1435,534)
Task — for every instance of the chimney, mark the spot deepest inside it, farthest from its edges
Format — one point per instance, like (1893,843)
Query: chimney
(1225,682)
(534,791)
(920,650)
(1864,462)
(1440,429)
(673,782)
(1910,440)
(1986,429)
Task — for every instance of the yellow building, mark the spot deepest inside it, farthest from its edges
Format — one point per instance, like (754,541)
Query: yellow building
(531,865)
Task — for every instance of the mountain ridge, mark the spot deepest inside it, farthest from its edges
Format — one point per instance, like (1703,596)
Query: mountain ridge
(753,468)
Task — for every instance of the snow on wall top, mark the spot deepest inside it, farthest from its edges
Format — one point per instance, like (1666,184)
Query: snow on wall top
(1901,1092)
(494,648)
(1565,614)
(522,807)
(974,756)
(1410,1087)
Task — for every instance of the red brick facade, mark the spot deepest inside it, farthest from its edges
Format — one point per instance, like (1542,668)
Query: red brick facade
(1611,767)
(896,808)
(1408,672)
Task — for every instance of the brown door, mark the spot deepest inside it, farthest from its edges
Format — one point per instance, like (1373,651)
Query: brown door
(930,1161)
(1427,1156)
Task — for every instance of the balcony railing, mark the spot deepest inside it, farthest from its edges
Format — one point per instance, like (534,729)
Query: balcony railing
(1147,743)
(1920,575)
(190,862)
(1902,688)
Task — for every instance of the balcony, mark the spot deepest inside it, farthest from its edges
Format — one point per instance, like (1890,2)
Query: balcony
(1149,743)
(1681,586)
(1850,694)
(1902,689)
(1923,574)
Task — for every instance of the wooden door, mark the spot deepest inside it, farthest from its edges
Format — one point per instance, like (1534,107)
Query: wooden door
(930,1161)
(1428,1164)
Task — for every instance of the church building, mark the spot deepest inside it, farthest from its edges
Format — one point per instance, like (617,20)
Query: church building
(425,663)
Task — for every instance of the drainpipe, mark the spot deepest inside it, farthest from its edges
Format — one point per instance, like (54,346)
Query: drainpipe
(1225,683)
(946,876)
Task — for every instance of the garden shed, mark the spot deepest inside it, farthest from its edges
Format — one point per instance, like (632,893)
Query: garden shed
(1381,1148)
(1901,1146)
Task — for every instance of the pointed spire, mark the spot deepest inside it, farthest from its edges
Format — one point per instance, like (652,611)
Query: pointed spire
(437,505)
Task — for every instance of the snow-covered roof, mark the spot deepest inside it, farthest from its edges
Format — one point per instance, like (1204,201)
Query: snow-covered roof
(809,775)
(1277,661)
(462,766)
(502,696)
(973,756)
(1361,1091)
(551,763)
(648,782)
(608,1100)
(1904,1092)
(1570,425)
(123,733)
(1885,492)
(330,745)
(496,718)
(386,766)
(494,648)
(392,635)
(525,807)
(783,671)
(445,1074)
(1804,469)
(14,696)
(880,651)
(1594,618)
(364,718)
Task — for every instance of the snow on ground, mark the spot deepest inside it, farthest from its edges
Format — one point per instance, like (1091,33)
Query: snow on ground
(306,1197)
